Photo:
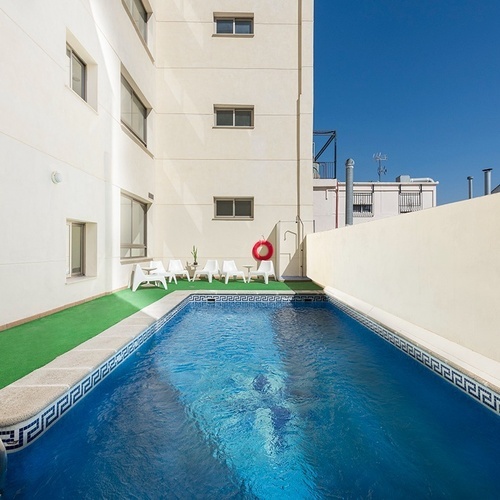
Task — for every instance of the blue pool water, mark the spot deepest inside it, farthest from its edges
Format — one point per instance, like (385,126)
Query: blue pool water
(269,401)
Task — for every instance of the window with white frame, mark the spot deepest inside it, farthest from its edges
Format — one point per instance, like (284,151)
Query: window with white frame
(77,73)
(234,117)
(139,16)
(133,111)
(75,249)
(233,208)
(133,224)
(229,25)
(409,202)
(362,205)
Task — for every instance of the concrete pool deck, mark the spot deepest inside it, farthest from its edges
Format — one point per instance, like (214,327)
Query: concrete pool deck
(29,396)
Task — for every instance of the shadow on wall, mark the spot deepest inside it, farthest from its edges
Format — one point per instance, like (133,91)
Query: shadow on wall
(290,247)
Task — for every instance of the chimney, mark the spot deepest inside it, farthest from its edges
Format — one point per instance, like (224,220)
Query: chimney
(487,180)
(470,186)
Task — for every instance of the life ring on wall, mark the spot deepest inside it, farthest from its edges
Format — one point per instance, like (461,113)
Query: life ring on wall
(259,246)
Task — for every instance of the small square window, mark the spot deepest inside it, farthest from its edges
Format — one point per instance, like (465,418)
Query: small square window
(362,205)
(234,26)
(409,202)
(243,208)
(224,208)
(242,118)
(234,117)
(224,26)
(243,26)
(234,208)
(224,118)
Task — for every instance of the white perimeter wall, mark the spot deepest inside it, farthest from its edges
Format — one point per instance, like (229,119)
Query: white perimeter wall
(438,269)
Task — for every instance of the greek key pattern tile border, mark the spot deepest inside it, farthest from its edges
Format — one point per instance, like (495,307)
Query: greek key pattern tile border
(258,297)
(19,436)
(480,392)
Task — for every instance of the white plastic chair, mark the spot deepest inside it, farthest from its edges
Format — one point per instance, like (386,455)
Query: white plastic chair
(177,269)
(160,269)
(266,269)
(211,268)
(229,269)
(141,277)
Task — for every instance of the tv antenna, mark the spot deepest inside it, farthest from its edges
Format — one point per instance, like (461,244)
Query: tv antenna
(379,158)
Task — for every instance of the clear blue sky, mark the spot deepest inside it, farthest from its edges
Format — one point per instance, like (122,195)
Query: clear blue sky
(417,80)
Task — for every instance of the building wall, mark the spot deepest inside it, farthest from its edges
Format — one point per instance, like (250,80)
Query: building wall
(197,70)
(180,73)
(46,127)
(437,269)
(329,200)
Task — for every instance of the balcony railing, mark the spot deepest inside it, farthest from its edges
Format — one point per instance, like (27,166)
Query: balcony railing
(324,170)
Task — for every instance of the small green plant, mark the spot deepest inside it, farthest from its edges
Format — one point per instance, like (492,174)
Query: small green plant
(194,252)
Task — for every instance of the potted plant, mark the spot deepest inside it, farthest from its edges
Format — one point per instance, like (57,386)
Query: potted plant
(194,252)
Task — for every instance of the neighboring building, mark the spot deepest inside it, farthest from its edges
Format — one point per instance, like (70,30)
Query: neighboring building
(496,190)
(135,129)
(371,200)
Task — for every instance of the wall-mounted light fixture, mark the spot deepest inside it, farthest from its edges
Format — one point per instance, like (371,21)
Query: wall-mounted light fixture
(56,177)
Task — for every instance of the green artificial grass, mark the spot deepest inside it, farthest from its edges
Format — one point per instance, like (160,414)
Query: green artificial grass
(32,345)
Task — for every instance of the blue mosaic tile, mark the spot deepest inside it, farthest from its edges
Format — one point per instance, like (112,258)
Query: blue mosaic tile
(20,436)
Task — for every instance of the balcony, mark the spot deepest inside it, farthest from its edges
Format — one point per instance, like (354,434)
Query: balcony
(324,170)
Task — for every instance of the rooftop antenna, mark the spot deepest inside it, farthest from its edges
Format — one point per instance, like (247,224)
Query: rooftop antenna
(379,158)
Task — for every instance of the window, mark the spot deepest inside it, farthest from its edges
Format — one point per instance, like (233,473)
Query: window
(82,70)
(81,250)
(77,73)
(132,228)
(234,117)
(409,202)
(139,16)
(362,205)
(133,112)
(234,208)
(75,251)
(234,25)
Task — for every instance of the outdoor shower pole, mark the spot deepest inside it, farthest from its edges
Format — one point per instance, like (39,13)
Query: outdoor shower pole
(349,176)
(470,186)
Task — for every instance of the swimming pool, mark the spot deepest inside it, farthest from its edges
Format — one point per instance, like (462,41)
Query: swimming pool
(279,400)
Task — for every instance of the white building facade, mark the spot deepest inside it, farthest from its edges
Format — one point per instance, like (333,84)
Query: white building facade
(134,129)
(371,200)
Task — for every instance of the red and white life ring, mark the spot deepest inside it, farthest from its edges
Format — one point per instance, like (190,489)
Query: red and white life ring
(257,250)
